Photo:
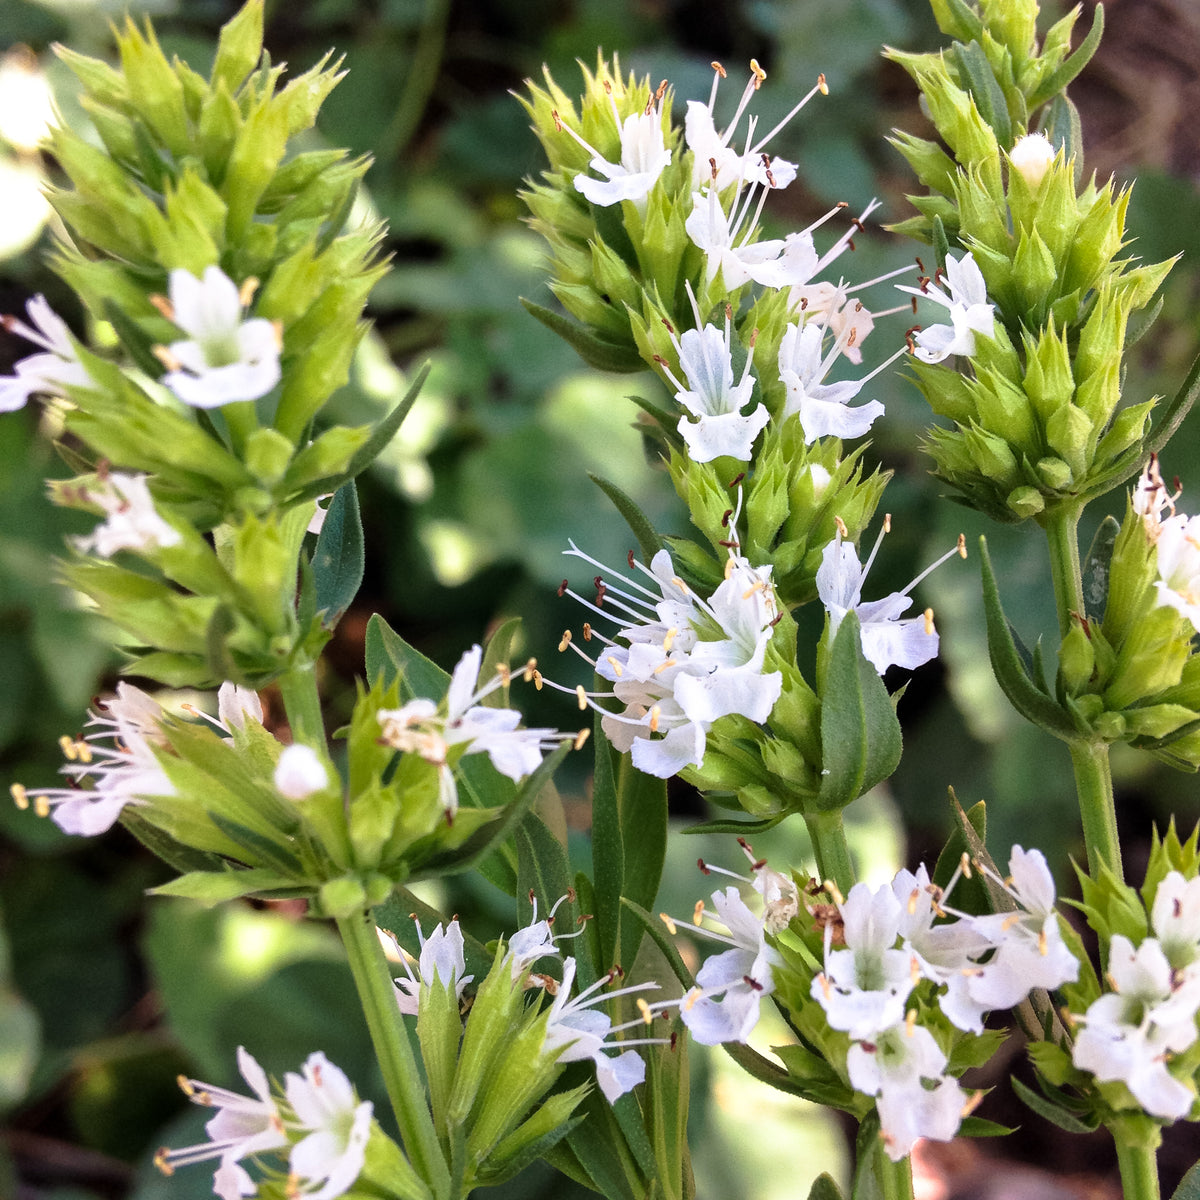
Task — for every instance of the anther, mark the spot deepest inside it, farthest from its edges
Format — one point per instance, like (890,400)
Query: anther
(670,327)
(822,86)
(644,1009)
(672,928)
(928,614)
(565,642)
(698,912)
(618,670)
(160,1161)
(19,795)
(581,737)
(581,696)
(736,479)
(910,1022)
(164,306)
(655,712)
(537,680)
(703,866)
(759,74)
(629,559)
(562,588)
(962,546)
(752,983)
(247,290)
(557,121)
(587,631)
(720,70)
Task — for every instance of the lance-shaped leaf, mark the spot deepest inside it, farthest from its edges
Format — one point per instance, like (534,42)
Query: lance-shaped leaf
(339,559)
(596,351)
(980,81)
(1070,69)
(215,887)
(860,735)
(968,837)
(1023,693)
(649,542)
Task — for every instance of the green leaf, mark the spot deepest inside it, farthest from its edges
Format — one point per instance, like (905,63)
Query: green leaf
(824,1188)
(1062,126)
(1024,695)
(596,351)
(660,937)
(261,847)
(976,73)
(175,854)
(215,887)
(1169,420)
(132,338)
(1054,1113)
(339,559)
(1066,73)
(1189,1185)
(392,659)
(739,828)
(941,244)
(982,1127)
(649,541)
(860,736)
(1096,567)
(642,803)
(957,19)
(608,852)
(969,835)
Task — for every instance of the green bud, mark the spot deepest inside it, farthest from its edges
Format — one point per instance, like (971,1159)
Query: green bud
(1055,473)
(1158,720)
(1025,502)
(264,565)
(983,220)
(1071,434)
(1012,22)
(1002,408)
(1111,726)
(373,815)
(342,897)
(1150,659)
(1098,238)
(1126,430)
(326,458)
(929,162)
(239,46)
(154,87)
(992,456)
(1048,382)
(1076,659)
(1035,275)
(1056,213)
(267,455)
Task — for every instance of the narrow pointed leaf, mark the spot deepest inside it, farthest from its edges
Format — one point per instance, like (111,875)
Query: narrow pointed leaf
(598,352)
(649,541)
(1061,78)
(340,557)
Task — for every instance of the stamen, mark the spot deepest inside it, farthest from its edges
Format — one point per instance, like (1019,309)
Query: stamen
(565,642)
(581,737)
(698,912)
(910,1022)
(672,928)
(20,796)
(644,1009)
(581,694)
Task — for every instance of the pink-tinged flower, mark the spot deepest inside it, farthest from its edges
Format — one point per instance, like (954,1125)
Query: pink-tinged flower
(52,371)
(123,772)
(131,521)
(965,295)
(337,1126)
(227,359)
(887,639)
(442,960)
(244,1126)
(1130,1033)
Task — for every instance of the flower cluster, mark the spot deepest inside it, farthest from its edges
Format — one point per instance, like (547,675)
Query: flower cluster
(467,727)
(895,938)
(1132,1033)
(686,662)
(317,1119)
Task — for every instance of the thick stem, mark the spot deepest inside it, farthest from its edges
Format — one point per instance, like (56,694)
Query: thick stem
(1093,774)
(389,1037)
(1139,1172)
(829,844)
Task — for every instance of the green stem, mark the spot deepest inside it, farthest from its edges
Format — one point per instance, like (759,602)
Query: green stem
(1139,1172)
(1089,759)
(895,1178)
(829,844)
(302,703)
(393,1050)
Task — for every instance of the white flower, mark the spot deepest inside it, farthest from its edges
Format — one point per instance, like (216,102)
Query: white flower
(711,396)
(51,372)
(741,975)
(1129,1033)
(338,1128)
(235,703)
(1175,917)
(1030,952)
(824,408)
(970,312)
(122,773)
(244,1126)
(441,960)
(300,772)
(715,159)
(131,521)
(895,1065)
(226,359)
(1178,547)
(417,728)
(864,987)
(535,940)
(644,157)
(687,663)
(578,1031)
(727,240)
(887,640)
(1031,156)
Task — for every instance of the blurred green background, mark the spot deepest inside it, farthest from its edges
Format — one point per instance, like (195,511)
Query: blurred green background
(106,996)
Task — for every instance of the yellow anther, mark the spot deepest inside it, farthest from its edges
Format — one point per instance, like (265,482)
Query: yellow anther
(19,795)
(887,522)
(1009,921)
(618,670)
(164,306)
(962,546)
(698,912)
(581,697)
(530,669)
(505,674)
(68,747)
(537,680)
(654,715)
(185,1086)
(973,1102)
(689,1001)
(167,359)
(912,901)
(720,70)
(832,888)
(247,290)
(41,806)
(757,587)
(587,632)
(565,642)
(160,1161)
(728,567)
(1043,944)
(910,1022)
(644,1009)
(929,622)
(841,527)
(759,74)
(669,640)
(822,86)
(824,980)
(581,737)
(965,865)
(672,928)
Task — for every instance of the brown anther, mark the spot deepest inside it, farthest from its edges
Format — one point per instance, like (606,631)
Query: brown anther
(914,305)
(670,327)
(608,87)
(842,204)
(557,120)
(629,559)
(770,177)
(601,588)
(587,631)
(728,545)
(674,1040)
(703,866)
(822,86)
(829,916)
(853,337)
(857,223)
(850,243)
(662,362)
(736,479)
(751,983)
(840,525)
(753,339)
(858,306)
(547,981)
(712,167)
(562,588)
(920,265)
(661,90)
(720,70)
(725,518)
(803,303)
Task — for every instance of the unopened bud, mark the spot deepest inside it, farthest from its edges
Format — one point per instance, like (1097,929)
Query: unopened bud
(1032,156)
(300,772)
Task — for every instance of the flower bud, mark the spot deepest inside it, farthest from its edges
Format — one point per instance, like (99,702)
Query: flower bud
(300,772)
(1032,156)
